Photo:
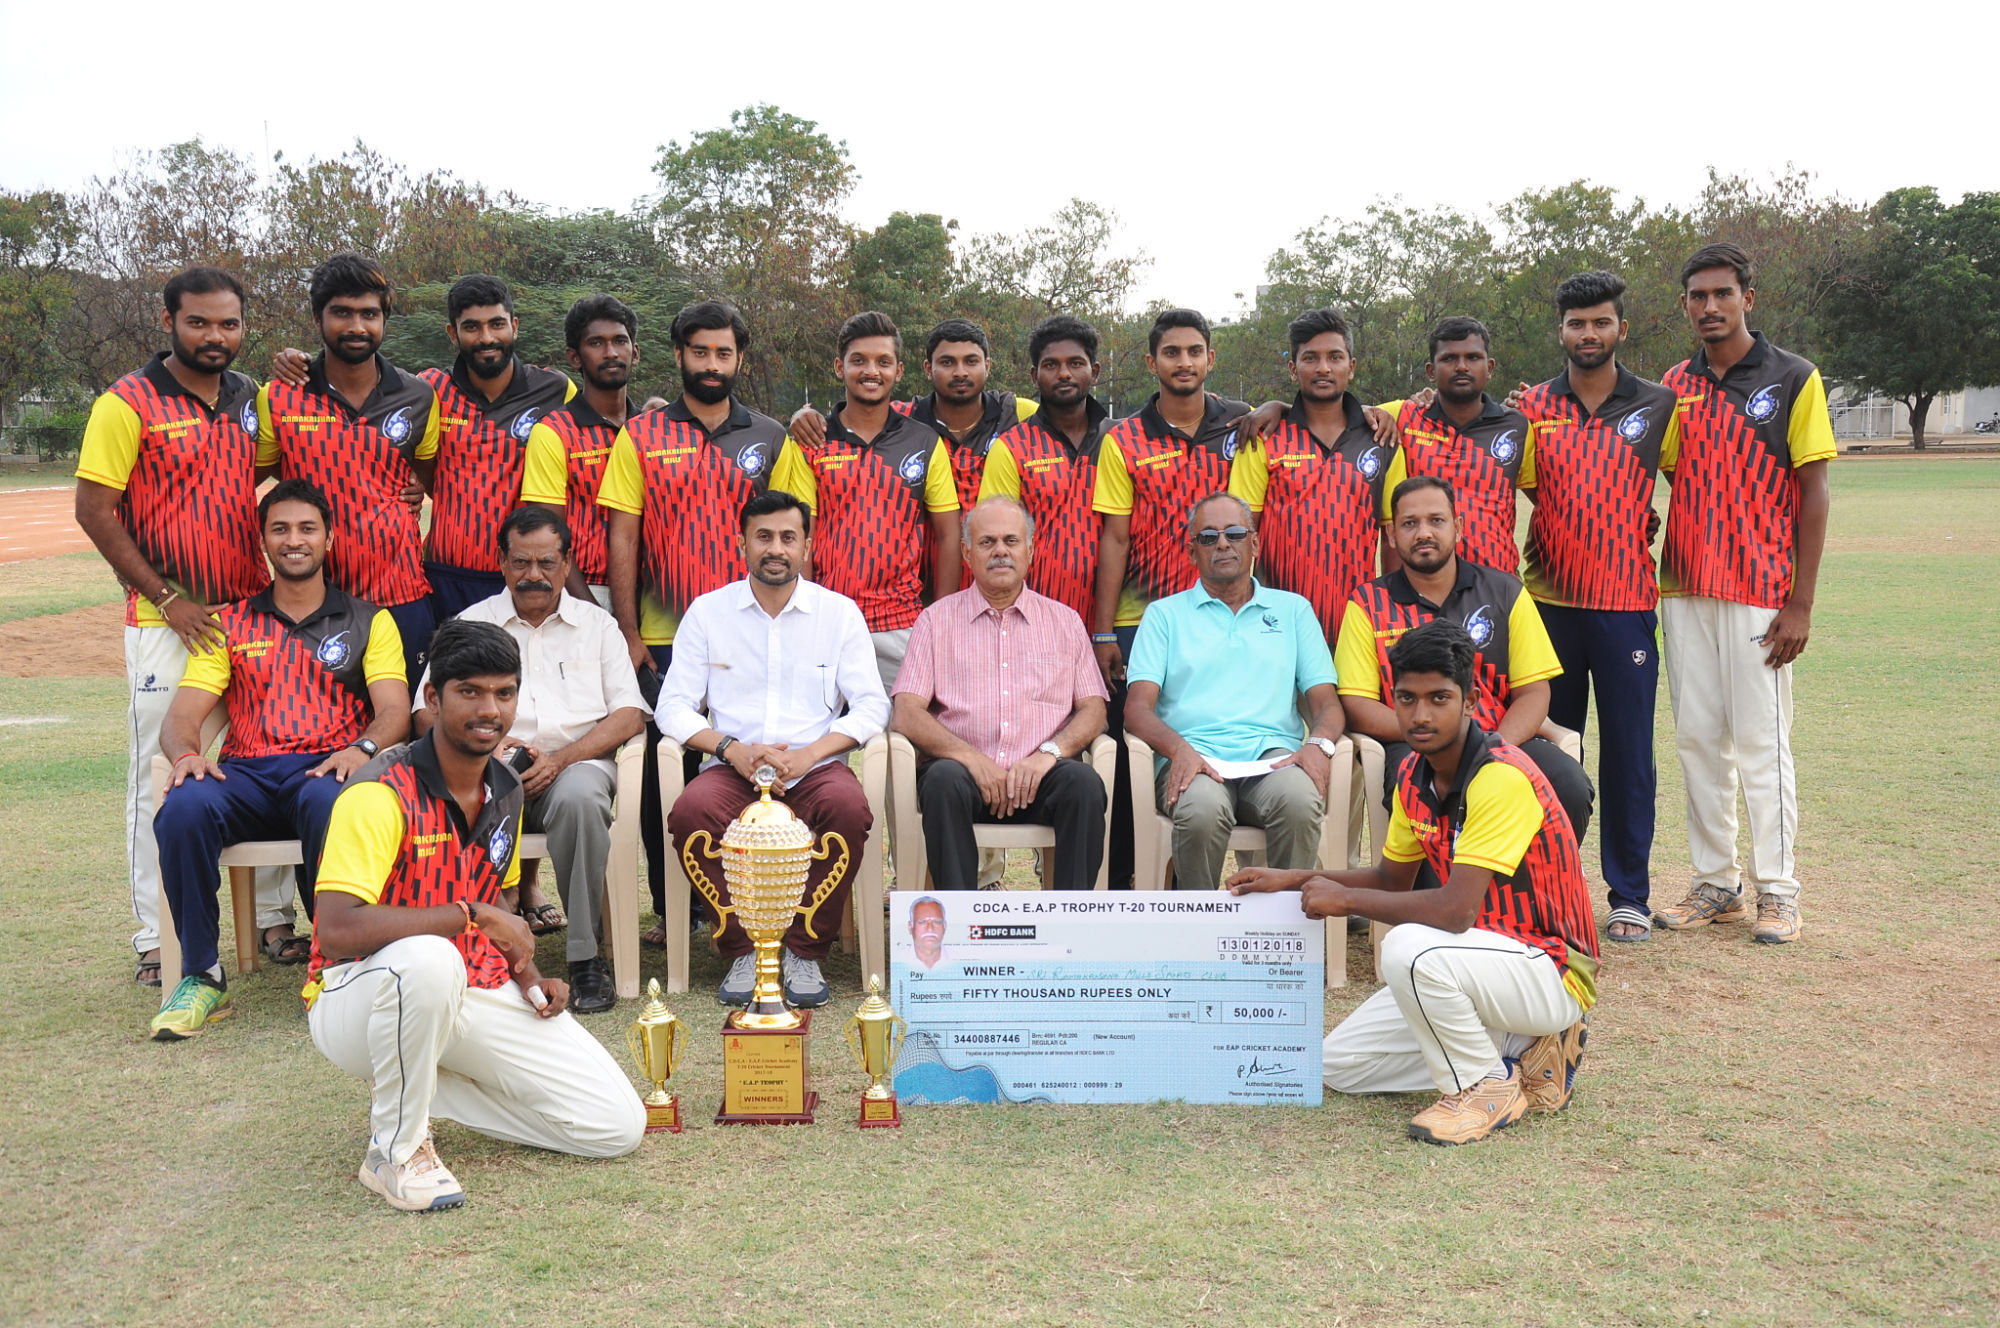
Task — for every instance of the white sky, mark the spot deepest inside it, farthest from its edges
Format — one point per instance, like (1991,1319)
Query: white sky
(1215,132)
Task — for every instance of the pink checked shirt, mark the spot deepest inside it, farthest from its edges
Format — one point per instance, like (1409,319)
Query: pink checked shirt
(1002,682)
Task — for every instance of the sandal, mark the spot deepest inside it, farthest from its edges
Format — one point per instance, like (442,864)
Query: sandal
(290,948)
(544,918)
(654,938)
(148,972)
(1641,926)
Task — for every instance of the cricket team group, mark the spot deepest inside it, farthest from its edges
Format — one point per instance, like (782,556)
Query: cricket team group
(1250,593)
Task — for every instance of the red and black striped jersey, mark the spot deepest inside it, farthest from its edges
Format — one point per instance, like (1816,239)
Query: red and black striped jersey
(481,446)
(1157,476)
(688,486)
(1001,412)
(1591,475)
(1034,463)
(187,475)
(1317,503)
(567,452)
(1732,516)
(1480,461)
(1542,900)
(871,531)
(415,850)
(293,688)
(361,459)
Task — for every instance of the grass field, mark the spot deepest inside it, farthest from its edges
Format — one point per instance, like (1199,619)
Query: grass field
(1790,1136)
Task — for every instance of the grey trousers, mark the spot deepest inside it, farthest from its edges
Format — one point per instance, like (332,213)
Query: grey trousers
(575,813)
(1283,804)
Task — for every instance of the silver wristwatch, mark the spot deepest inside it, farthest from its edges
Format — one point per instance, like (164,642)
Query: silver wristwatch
(1326,745)
(1051,748)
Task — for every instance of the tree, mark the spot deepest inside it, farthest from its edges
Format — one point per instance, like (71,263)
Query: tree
(752,213)
(1071,265)
(906,269)
(1798,241)
(37,232)
(1916,311)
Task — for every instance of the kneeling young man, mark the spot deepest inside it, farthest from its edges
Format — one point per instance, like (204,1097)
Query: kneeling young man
(422,981)
(1490,979)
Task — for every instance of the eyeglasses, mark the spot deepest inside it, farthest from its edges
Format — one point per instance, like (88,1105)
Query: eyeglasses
(546,566)
(1210,537)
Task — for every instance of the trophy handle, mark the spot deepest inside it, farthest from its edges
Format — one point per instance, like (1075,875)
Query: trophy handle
(638,1050)
(826,887)
(898,1030)
(679,1047)
(701,881)
(853,1031)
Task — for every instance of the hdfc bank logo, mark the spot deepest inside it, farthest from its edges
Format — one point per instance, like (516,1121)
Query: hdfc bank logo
(999,932)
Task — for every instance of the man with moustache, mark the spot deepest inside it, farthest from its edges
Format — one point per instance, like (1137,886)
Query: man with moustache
(577,703)
(1599,430)
(674,483)
(1000,692)
(360,429)
(166,488)
(312,682)
(569,447)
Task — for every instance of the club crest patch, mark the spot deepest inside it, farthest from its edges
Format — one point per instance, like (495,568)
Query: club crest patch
(1505,446)
(500,846)
(912,469)
(249,419)
(1763,403)
(523,426)
(334,651)
(1229,446)
(751,459)
(1633,427)
(397,427)
(1370,464)
(1479,626)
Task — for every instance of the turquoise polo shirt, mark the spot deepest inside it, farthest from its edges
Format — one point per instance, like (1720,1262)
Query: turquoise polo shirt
(1230,682)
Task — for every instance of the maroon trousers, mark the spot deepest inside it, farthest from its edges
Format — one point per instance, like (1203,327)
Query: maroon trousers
(827,799)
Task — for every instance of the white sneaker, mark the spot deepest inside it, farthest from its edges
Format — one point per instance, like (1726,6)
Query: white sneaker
(805,989)
(740,982)
(421,1185)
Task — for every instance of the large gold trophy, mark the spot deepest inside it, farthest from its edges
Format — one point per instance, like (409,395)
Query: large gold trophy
(657,1041)
(875,1035)
(766,855)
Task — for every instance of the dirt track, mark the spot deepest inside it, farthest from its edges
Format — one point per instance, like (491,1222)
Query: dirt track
(84,643)
(40,523)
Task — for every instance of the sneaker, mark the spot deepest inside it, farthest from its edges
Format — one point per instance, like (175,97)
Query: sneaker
(1777,920)
(197,1002)
(805,989)
(1704,904)
(742,980)
(421,1185)
(1469,1116)
(590,987)
(1548,1067)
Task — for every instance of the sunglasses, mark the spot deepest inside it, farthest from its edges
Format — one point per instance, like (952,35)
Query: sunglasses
(1210,537)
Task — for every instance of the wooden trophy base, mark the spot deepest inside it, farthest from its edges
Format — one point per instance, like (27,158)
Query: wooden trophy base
(880,1113)
(663,1117)
(764,1075)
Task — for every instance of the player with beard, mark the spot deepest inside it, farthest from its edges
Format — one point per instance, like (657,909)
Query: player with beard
(361,430)
(166,488)
(571,445)
(675,482)
(1599,430)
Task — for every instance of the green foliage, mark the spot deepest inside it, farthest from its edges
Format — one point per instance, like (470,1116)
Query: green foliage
(37,232)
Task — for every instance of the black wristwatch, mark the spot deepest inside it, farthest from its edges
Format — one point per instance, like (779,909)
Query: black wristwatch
(723,746)
(367,748)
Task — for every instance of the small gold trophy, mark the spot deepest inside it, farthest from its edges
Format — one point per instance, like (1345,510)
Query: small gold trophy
(875,1035)
(658,1041)
(766,855)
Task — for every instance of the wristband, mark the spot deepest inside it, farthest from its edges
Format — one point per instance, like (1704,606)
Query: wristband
(465,908)
(182,757)
(166,599)
(1104,638)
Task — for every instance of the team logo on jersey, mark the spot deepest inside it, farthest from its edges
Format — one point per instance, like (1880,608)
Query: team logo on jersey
(1633,427)
(1763,403)
(751,459)
(1370,464)
(1480,625)
(333,651)
(249,417)
(1505,446)
(498,847)
(523,426)
(397,427)
(1229,446)
(912,469)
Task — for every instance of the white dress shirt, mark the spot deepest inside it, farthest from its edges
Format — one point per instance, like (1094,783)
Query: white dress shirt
(784,679)
(575,670)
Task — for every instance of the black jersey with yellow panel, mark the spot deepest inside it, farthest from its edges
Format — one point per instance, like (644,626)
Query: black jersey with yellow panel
(1316,501)
(1035,464)
(1481,461)
(397,837)
(1732,517)
(482,446)
(999,412)
(1591,473)
(362,460)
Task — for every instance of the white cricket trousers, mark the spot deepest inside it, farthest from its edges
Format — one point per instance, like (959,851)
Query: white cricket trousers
(1732,725)
(1453,1004)
(154,662)
(405,1020)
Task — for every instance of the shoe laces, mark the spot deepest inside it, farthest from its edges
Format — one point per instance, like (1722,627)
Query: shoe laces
(425,1158)
(185,993)
(1781,910)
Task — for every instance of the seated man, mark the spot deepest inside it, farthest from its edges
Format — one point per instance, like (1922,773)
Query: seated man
(312,681)
(423,983)
(761,674)
(1000,689)
(1490,979)
(1216,675)
(1514,658)
(578,702)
